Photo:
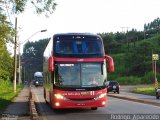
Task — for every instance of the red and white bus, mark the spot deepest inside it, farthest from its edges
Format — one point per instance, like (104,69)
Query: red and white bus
(75,71)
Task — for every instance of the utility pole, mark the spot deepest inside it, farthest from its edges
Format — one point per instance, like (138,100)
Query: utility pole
(152,63)
(19,63)
(144,34)
(15,57)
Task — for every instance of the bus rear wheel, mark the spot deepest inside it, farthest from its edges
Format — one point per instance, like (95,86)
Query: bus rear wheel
(94,108)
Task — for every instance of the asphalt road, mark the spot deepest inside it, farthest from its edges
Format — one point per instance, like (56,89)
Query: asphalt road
(115,106)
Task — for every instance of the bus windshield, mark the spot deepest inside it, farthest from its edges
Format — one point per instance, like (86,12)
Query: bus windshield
(39,78)
(80,75)
(78,48)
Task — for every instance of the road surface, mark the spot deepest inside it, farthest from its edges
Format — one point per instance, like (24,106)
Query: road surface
(115,106)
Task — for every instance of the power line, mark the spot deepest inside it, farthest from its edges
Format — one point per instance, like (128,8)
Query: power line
(124,28)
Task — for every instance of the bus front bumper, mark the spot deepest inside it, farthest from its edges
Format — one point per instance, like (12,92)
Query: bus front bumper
(58,104)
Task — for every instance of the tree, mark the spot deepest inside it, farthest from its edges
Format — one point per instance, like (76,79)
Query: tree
(7,31)
(33,56)
(6,35)
(138,60)
(152,28)
(41,6)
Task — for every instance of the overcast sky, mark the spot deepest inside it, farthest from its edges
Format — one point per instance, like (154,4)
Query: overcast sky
(93,16)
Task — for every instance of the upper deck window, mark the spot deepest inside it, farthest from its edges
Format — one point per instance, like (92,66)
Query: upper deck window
(78,48)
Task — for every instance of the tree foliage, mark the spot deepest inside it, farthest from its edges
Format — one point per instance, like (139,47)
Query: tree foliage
(7,32)
(138,59)
(6,35)
(32,57)
(137,55)
(41,6)
(152,28)
(114,42)
(136,48)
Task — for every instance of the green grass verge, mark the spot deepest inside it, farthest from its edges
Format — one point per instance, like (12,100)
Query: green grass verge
(145,91)
(7,94)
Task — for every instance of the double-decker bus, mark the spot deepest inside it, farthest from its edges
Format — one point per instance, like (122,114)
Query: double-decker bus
(75,71)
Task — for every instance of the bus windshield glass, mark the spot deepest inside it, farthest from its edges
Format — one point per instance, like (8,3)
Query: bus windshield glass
(78,48)
(80,75)
(39,78)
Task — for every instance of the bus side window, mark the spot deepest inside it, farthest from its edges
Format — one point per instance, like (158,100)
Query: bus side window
(59,47)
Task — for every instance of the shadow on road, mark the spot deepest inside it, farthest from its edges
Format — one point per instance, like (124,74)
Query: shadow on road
(3,104)
(44,109)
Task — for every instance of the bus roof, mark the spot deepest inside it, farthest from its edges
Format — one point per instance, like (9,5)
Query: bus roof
(77,35)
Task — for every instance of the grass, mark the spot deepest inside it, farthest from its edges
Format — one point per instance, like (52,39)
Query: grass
(145,91)
(7,94)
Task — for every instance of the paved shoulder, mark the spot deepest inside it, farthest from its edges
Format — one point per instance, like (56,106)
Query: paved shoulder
(146,99)
(19,107)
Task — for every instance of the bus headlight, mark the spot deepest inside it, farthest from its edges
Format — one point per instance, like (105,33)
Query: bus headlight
(100,96)
(59,96)
(57,104)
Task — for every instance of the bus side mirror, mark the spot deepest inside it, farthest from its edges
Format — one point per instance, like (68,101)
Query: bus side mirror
(110,63)
(51,64)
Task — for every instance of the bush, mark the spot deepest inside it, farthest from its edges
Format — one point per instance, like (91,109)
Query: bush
(148,78)
(129,80)
(4,75)
(133,80)
(6,93)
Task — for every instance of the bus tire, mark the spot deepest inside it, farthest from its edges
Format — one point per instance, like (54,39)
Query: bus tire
(44,93)
(50,99)
(56,110)
(94,108)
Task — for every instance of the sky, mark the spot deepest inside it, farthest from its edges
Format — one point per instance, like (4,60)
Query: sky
(93,16)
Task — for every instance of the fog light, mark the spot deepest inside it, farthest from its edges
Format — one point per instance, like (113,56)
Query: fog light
(103,103)
(57,104)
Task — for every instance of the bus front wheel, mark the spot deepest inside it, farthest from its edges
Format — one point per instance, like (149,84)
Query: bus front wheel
(94,108)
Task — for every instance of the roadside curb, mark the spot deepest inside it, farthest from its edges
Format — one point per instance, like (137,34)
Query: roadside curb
(32,106)
(134,99)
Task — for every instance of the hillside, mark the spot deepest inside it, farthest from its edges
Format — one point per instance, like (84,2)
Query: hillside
(134,65)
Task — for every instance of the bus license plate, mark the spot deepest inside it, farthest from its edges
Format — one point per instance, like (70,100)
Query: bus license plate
(84,93)
(80,104)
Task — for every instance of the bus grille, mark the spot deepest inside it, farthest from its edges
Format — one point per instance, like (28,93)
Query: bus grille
(80,99)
